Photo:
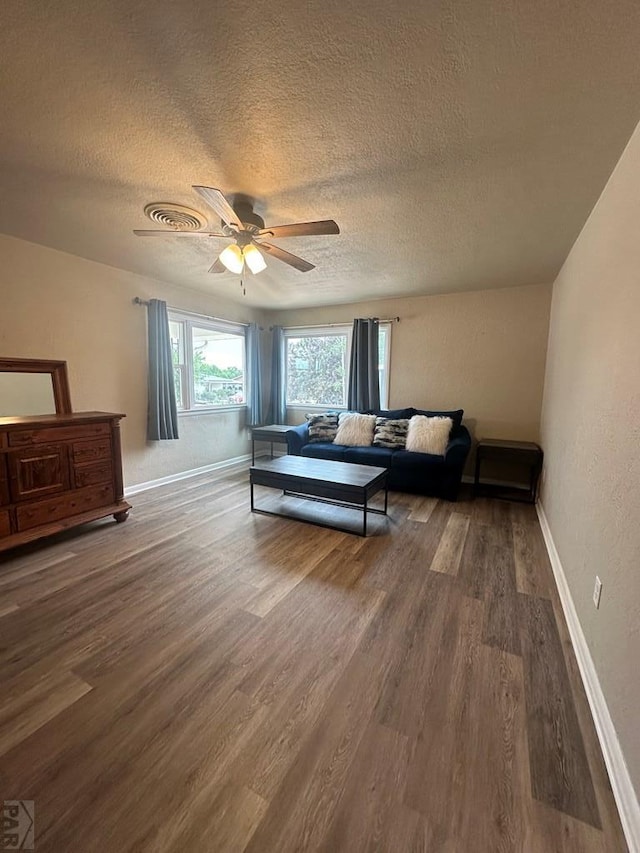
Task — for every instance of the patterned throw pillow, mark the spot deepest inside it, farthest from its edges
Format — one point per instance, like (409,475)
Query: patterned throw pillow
(322,427)
(428,435)
(355,430)
(391,432)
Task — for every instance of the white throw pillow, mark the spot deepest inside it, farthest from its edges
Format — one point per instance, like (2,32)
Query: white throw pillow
(355,430)
(428,435)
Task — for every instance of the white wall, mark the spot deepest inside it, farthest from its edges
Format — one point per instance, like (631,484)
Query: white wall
(591,437)
(55,305)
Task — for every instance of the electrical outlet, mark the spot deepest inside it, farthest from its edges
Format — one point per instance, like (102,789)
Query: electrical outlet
(597,590)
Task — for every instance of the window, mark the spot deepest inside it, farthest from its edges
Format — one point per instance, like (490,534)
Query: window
(317,365)
(384,358)
(208,362)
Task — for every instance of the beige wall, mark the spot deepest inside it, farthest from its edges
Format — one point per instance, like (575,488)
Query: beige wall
(591,436)
(59,306)
(483,352)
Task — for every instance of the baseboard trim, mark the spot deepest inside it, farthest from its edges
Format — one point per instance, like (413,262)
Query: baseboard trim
(192,472)
(623,791)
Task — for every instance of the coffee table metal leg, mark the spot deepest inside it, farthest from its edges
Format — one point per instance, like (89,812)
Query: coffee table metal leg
(364,517)
(386,498)
(251,497)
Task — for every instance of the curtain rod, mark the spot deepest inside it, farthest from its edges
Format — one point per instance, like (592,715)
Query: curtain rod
(138,301)
(331,325)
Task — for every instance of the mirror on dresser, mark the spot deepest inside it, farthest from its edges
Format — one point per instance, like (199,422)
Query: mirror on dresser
(58,468)
(32,386)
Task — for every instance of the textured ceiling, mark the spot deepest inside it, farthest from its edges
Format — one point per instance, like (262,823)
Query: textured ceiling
(458,144)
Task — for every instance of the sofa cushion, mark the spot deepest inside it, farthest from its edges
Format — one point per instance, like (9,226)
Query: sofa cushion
(391,413)
(407,459)
(355,430)
(391,432)
(323,427)
(380,456)
(456,415)
(325,450)
(428,435)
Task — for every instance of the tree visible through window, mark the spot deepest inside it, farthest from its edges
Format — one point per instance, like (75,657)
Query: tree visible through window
(317,365)
(218,368)
(316,370)
(208,363)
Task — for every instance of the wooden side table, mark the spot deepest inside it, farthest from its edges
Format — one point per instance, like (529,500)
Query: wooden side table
(274,434)
(525,455)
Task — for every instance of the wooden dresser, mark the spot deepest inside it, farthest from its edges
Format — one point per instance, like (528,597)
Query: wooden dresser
(58,471)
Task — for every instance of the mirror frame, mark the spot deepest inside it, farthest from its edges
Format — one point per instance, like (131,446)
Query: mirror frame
(56,369)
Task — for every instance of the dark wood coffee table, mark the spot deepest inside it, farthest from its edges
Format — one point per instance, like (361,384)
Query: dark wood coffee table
(337,483)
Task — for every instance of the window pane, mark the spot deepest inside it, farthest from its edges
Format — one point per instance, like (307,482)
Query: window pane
(382,346)
(316,374)
(176,334)
(383,343)
(218,368)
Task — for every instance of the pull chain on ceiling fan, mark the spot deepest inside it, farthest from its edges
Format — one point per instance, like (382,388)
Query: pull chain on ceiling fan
(248,231)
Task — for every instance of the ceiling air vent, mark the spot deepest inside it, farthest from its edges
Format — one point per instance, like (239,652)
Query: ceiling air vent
(175,216)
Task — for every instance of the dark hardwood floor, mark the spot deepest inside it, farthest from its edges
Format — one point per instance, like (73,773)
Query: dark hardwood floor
(205,679)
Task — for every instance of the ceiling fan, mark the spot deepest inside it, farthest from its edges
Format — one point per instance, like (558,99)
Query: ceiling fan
(248,232)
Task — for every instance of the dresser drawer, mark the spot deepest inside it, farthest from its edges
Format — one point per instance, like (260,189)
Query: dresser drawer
(91,475)
(38,471)
(91,451)
(26,437)
(63,506)
(5,522)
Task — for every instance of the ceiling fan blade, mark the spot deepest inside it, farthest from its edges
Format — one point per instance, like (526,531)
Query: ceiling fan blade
(302,229)
(218,202)
(217,266)
(287,257)
(154,232)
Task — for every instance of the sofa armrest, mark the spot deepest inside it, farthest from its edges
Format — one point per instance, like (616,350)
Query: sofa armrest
(458,448)
(297,437)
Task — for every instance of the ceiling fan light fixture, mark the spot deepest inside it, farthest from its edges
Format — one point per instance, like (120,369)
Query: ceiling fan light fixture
(254,259)
(232,258)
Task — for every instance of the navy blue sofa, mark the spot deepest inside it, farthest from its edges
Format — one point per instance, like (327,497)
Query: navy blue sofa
(421,473)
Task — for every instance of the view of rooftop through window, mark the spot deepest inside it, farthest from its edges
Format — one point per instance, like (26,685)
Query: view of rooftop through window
(208,365)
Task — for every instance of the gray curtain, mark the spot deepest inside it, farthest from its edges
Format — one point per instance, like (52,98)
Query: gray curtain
(254,376)
(364,382)
(278,404)
(162,414)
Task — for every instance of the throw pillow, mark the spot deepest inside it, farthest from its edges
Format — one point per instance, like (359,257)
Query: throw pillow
(428,435)
(355,430)
(322,427)
(391,432)
(456,415)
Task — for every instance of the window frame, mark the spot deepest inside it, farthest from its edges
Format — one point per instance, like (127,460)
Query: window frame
(337,329)
(189,321)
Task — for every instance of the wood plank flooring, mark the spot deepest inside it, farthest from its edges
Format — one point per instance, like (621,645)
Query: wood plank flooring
(201,678)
